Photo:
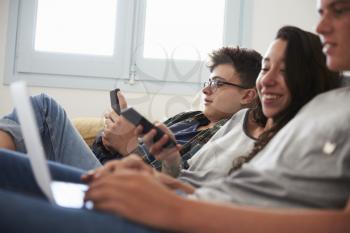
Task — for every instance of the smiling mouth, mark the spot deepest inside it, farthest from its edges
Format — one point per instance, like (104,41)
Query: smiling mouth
(207,101)
(327,47)
(271,97)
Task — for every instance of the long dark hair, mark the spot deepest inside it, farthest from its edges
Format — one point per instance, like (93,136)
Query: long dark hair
(306,76)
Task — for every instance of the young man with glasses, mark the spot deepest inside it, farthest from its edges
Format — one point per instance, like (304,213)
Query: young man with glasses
(231,88)
(233,72)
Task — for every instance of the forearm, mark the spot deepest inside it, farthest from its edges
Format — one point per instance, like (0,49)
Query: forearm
(198,216)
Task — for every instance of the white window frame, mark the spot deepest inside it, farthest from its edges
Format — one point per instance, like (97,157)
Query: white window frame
(103,72)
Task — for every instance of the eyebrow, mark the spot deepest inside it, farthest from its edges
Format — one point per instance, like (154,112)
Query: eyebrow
(335,2)
(217,77)
(267,59)
(332,5)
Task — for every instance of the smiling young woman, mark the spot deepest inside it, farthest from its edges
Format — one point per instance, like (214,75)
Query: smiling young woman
(293,72)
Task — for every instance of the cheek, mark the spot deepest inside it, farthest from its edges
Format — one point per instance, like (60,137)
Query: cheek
(289,99)
(258,85)
(229,101)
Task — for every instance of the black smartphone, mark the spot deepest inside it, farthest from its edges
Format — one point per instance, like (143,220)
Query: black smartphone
(114,100)
(137,119)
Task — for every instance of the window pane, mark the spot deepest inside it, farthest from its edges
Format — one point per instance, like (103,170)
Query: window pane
(76,26)
(183,29)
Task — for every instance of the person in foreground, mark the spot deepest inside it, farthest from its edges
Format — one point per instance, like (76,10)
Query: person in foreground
(237,69)
(321,163)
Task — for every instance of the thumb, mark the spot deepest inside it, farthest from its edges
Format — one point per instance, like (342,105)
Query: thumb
(122,101)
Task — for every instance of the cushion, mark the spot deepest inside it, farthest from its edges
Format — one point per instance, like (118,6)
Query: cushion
(88,127)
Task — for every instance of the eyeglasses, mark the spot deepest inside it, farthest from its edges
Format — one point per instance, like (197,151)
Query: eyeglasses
(214,84)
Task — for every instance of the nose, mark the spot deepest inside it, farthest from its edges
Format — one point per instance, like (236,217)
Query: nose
(207,90)
(324,26)
(267,79)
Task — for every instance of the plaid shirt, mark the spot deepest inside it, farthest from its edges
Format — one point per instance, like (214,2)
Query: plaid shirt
(187,150)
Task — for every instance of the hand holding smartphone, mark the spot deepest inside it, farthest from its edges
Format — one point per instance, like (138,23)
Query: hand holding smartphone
(137,119)
(114,100)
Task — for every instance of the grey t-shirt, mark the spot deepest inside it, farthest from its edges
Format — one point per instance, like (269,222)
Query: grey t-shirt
(214,159)
(307,164)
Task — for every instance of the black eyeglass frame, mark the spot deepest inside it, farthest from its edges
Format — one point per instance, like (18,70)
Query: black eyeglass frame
(216,83)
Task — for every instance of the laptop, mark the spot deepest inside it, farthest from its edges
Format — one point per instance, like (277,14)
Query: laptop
(61,193)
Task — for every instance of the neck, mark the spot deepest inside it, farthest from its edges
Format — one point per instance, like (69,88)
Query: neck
(210,125)
(253,129)
(269,124)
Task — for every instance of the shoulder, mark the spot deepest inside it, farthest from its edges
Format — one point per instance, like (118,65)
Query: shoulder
(338,94)
(183,116)
(331,102)
(239,116)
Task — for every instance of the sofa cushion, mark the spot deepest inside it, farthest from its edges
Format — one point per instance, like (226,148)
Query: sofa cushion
(88,127)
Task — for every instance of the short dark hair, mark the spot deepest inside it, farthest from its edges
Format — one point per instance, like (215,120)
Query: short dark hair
(247,63)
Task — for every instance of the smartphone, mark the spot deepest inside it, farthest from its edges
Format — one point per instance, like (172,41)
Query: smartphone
(114,100)
(137,119)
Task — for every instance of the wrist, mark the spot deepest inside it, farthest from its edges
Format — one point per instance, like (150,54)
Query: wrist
(136,150)
(173,160)
(172,167)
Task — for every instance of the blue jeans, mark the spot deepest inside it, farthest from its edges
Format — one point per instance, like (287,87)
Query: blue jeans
(23,208)
(61,141)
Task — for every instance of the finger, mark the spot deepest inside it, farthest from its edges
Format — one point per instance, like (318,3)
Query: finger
(131,162)
(108,122)
(112,165)
(139,130)
(114,116)
(109,202)
(102,192)
(102,173)
(165,129)
(136,163)
(105,141)
(107,179)
(159,145)
(179,147)
(87,177)
(148,137)
(107,113)
(122,101)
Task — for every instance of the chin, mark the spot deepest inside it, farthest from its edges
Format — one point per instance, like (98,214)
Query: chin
(269,114)
(207,112)
(335,65)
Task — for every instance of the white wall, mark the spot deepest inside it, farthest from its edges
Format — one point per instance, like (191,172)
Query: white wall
(268,16)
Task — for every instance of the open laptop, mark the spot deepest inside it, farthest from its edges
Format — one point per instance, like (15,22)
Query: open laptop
(61,193)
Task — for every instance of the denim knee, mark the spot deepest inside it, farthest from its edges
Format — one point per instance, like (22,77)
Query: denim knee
(13,128)
(10,124)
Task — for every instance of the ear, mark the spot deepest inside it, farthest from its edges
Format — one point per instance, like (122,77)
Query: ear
(249,95)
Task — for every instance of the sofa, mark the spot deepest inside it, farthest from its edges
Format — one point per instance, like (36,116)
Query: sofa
(88,127)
